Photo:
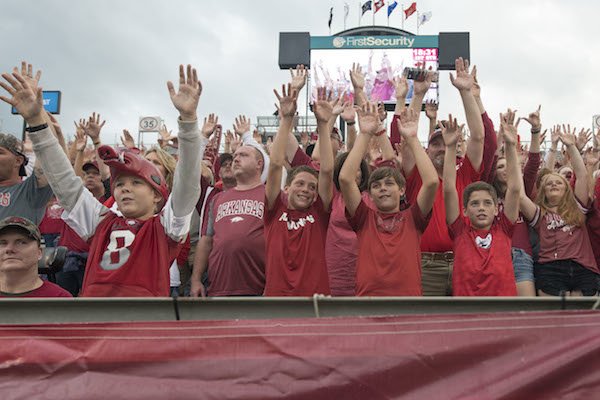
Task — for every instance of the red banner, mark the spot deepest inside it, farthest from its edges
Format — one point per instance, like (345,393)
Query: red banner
(484,356)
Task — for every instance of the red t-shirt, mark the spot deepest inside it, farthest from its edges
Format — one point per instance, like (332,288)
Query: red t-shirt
(389,259)
(236,264)
(482,259)
(436,238)
(559,241)
(48,289)
(295,250)
(129,258)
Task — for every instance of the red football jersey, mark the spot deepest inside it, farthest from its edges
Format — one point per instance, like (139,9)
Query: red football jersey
(129,258)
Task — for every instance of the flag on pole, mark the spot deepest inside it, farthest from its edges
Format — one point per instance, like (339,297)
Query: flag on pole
(378,5)
(392,7)
(330,17)
(366,7)
(410,10)
(426,16)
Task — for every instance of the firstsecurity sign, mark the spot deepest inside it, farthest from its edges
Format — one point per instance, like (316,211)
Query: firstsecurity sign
(373,42)
(51,99)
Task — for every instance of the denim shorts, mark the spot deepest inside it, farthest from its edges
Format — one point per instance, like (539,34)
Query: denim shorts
(564,276)
(522,264)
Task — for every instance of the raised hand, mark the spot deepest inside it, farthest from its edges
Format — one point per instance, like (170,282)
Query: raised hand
(409,123)
(451,131)
(241,125)
(464,80)
(357,77)
(555,135)
(368,119)
(401,86)
(164,133)
(534,119)
(27,74)
(348,114)
(431,109)
(583,138)
(25,98)
(127,139)
(325,107)
(80,139)
(567,136)
(187,98)
(287,101)
(210,123)
(509,128)
(298,77)
(93,127)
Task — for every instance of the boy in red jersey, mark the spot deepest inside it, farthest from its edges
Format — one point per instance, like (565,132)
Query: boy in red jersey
(389,239)
(482,249)
(131,250)
(296,226)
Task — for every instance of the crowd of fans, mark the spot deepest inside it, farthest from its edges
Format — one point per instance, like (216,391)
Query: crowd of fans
(213,213)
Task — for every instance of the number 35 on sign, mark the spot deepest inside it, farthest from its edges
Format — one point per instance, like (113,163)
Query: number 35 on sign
(150,124)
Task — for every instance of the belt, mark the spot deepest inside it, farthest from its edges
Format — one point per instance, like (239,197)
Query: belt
(447,256)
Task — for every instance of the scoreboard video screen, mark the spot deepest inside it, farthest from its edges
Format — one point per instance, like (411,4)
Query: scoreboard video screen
(331,68)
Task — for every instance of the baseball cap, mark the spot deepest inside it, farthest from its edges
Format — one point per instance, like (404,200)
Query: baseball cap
(22,223)
(89,164)
(15,146)
(436,134)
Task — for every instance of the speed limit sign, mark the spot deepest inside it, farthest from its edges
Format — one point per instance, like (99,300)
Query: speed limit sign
(150,124)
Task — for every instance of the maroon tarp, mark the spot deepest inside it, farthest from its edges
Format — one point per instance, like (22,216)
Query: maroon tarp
(482,356)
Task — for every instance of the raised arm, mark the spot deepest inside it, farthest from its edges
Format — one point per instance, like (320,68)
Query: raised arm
(357,77)
(368,122)
(186,182)
(409,123)
(56,166)
(349,117)
(514,179)
(431,109)
(326,111)
(92,128)
(532,165)
(450,132)
(581,185)
(80,144)
(287,110)
(551,156)
(464,82)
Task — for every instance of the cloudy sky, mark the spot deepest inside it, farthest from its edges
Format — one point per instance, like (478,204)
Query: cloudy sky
(114,57)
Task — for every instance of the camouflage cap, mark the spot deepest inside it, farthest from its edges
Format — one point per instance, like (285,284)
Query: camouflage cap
(22,223)
(15,146)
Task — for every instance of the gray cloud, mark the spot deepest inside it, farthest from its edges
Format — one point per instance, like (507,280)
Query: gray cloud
(114,57)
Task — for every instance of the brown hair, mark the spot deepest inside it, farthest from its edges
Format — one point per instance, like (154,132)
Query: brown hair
(384,172)
(337,168)
(567,207)
(476,187)
(296,170)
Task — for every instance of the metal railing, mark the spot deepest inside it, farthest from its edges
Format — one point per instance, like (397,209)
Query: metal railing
(53,310)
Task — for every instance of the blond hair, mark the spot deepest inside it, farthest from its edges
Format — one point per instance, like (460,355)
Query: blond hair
(167,161)
(567,207)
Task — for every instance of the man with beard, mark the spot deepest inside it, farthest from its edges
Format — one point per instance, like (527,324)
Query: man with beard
(232,247)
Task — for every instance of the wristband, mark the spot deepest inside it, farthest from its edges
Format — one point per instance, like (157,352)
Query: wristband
(350,123)
(381,132)
(535,131)
(36,128)
(96,143)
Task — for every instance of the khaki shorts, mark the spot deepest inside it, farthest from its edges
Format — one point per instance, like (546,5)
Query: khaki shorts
(436,273)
